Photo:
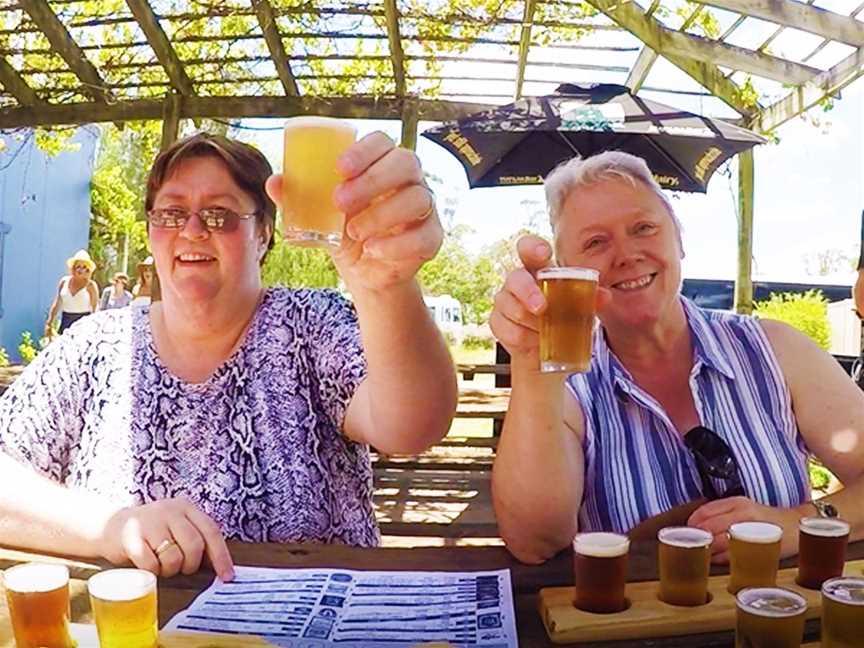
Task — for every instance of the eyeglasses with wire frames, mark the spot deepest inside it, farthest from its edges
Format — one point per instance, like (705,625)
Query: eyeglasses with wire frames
(215,219)
(714,459)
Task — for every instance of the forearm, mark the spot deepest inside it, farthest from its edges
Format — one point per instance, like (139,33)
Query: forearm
(52,314)
(411,378)
(538,475)
(39,514)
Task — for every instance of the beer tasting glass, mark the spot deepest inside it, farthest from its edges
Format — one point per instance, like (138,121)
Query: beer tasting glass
(684,554)
(124,607)
(600,572)
(754,549)
(567,324)
(821,550)
(843,613)
(309,177)
(38,599)
(769,617)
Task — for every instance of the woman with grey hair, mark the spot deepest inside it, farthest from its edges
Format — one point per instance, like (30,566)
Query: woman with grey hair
(710,415)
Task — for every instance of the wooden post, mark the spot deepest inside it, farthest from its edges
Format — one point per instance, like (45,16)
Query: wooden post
(744,283)
(170,120)
(409,124)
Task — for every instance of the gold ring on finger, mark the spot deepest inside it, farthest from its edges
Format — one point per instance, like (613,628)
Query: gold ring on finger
(164,546)
(431,209)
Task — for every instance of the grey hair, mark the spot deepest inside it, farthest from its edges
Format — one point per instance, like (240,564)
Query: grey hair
(580,172)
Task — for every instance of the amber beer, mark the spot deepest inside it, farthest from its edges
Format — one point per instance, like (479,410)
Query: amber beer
(843,613)
(754,549)
(309,177)
(124,606)
(600,571)
(38,599)
(684,555)
(821,550)
(567,324)
(769,617)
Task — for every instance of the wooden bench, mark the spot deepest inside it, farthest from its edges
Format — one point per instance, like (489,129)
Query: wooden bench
(488,403)
(468,371)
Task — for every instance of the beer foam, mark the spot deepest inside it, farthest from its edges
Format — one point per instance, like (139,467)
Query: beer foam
(586,274)
(760,532)
(824,527)
(771,601)
(36,577)
(845,589)
(685,537)
(121,584)
(314,121)
(601,545)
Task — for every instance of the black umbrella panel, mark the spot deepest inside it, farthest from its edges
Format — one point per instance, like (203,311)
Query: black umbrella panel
(520,143)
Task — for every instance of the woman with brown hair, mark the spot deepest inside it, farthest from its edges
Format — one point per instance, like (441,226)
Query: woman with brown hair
(225,409)
(143,290)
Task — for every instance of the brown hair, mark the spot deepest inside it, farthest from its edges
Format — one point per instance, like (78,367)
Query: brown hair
(247,165)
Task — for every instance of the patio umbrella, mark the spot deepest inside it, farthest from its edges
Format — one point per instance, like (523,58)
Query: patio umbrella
(523,141)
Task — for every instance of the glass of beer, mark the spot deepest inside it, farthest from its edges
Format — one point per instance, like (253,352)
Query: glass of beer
(684,555)
(843,612)
(769,617)
(754,549)
(38,599)
(567,324)
(821,550)
(124,606)
(309,177)
(600,572)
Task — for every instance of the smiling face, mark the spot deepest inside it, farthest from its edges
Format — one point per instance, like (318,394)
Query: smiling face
(198,266)
(624,231)
(81,270)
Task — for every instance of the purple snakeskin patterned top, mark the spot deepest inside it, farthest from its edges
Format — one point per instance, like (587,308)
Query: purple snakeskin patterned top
(258,446)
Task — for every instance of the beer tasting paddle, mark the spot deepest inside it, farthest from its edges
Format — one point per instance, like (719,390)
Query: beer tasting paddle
(648,617)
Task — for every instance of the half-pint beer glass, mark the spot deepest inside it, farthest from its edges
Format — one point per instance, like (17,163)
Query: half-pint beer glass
(124,606)
(821,550)
(843,613)
(685,560)
(309,177)
(567,324)
(38,598)
(769,617)
(600,571)
(754,549)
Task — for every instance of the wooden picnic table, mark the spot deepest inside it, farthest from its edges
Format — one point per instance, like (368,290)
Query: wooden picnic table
(468,370)
(177,593)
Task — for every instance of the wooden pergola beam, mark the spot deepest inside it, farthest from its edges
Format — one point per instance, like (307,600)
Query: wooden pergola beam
(161,46)
(647,57)
(397,54)
(268,24)
(802,99)
(16,86)
(706,50)
(798,15)
(63,43)
(652,33)
(234,107)
(524,44)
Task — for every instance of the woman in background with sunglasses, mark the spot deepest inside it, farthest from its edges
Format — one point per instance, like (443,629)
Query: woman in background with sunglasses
(680,404)
(77,294)
(226,409)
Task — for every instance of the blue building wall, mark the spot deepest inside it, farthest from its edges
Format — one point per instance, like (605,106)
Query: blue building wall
(45,214)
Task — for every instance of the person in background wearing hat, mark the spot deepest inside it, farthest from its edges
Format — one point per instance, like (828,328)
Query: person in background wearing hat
(142,292)
(116,295)
(77,293)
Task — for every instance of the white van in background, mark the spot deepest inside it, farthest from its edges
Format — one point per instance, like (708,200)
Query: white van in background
(447,313)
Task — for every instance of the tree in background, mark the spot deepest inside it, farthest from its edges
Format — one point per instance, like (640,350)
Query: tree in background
(808,313)
(299,267)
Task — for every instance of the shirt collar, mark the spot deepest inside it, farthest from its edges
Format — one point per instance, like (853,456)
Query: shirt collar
(707,349)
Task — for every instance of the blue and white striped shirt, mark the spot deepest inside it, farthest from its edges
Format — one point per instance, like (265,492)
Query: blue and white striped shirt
(636,463)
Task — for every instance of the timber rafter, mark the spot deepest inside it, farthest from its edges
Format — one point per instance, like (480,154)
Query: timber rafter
(282,60)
